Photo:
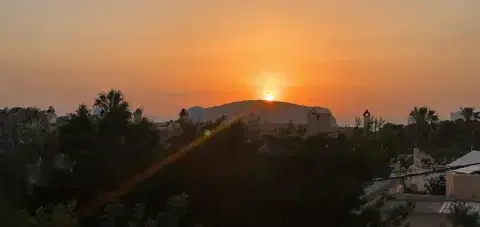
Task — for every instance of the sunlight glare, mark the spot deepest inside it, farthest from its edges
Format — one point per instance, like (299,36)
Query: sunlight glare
(271,85)
(269,97)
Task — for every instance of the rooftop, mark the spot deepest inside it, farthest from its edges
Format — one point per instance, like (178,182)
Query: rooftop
(470,158)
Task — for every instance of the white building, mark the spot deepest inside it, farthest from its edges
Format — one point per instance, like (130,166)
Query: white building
(318,122)
(456,116)
(417,183)
(464,183)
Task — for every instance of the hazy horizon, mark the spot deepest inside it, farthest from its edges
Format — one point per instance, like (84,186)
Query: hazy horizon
(385,56)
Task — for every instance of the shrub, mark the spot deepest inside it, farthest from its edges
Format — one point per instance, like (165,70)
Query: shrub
(462,215)
(435,184)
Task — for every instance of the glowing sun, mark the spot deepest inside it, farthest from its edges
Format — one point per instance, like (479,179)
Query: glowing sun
(270,86)
(269,97)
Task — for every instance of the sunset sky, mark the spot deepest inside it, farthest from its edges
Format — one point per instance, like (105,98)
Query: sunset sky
(349,55)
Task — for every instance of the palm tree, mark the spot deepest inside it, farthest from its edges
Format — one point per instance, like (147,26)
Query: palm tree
(423,115)
(424,120)
(111,101)
(469,116)
(468,113)
(82,111)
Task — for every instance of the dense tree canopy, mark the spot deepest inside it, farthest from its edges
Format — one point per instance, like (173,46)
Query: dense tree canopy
(228,178)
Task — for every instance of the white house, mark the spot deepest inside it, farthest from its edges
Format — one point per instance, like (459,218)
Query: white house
(318,122)
(464,183)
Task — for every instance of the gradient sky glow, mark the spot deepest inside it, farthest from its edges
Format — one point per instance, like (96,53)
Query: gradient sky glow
(387,56)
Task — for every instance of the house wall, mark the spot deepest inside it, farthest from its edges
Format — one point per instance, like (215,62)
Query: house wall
(449,187)
(418,156)
(416,183)
(463,186)
(319,123)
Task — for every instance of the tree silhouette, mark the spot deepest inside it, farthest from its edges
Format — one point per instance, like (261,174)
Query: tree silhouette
(111,101)
(424,120)
(469,116)
(227,180)
(183,113)
(112,127)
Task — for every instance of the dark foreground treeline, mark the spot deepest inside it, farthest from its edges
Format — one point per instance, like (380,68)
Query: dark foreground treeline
(223,181)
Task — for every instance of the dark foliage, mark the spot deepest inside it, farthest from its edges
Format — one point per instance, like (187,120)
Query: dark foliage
(314,182)
(435,184)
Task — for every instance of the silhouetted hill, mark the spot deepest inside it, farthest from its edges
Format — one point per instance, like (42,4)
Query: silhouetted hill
(275,112)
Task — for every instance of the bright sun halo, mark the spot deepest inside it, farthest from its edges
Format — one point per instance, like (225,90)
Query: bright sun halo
(269,97)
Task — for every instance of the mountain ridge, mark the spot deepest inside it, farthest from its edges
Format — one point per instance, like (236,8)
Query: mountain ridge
(269,111)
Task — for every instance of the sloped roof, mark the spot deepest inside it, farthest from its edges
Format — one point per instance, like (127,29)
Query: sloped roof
(470,158)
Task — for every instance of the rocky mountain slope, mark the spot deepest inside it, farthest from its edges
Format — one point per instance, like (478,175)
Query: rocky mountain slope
(275,112)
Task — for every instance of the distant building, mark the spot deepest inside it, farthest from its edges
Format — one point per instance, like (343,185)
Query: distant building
(21,125)
(167,130)
(367,122)
(318,122)
(271,129)
(98,111)
(138,115)
(458,116)
(51,119)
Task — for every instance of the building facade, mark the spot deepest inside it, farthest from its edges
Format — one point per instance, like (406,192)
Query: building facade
(318,122)
(464,183)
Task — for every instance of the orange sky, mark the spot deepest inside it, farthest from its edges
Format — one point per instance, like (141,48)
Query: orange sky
(348,55)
